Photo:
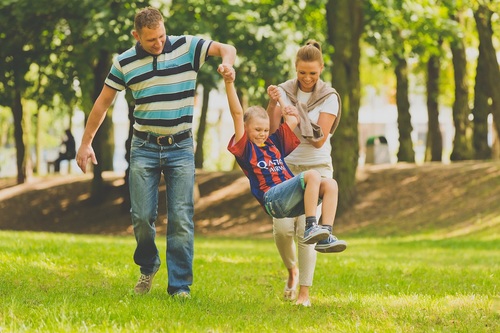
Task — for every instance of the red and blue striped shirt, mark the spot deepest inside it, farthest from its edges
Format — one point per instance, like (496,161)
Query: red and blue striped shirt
(264,165)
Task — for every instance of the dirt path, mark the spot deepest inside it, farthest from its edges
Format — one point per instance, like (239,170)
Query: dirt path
(392,200)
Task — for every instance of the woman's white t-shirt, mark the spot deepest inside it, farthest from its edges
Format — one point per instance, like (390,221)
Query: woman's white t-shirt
(306,153)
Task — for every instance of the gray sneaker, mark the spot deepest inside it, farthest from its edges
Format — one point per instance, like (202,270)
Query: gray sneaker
(331,244)
(315,234)
(182,295)
(144,284)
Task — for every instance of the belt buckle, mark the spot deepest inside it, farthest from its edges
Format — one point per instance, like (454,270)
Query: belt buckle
(170,140)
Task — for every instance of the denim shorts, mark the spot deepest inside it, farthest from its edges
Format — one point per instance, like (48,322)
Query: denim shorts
(286,199)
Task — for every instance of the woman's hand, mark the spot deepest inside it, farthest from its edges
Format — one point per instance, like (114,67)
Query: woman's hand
(273,92)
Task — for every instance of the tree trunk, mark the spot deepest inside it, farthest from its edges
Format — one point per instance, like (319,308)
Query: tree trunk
(485,32)
(28,161)
(202,127)
(434,146)
(482,108)
(462,149)
(125,188)
(38,141)
(17,113)
(101,149)
(405,152)
(345,26)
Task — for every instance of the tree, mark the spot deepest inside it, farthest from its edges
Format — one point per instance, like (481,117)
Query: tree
(483,16)
(345,26)
(434,142)
(431,26)
(23,37)
(261,31)
(387,30)
(481,109)
(97,30)
(462,149)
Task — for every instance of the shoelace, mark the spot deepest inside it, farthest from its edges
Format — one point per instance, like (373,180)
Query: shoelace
(144,278)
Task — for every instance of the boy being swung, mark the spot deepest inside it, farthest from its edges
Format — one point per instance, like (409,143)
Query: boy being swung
(261,157)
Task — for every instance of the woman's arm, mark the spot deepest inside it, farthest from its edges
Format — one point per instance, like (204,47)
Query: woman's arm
(325,121)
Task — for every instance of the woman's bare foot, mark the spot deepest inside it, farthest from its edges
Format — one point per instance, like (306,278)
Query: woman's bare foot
(303,297)
(293,277)
(291,284)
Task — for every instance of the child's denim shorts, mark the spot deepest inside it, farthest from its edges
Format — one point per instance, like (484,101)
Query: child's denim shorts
(286,199)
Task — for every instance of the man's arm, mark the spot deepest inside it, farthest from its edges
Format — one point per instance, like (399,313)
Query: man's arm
(228,54)
(225,51)
(94,121)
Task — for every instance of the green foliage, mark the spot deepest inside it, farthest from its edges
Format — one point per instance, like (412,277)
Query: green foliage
(77,283)
(265,33)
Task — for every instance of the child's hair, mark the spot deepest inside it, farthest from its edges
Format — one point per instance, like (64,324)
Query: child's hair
(255,112)
(310,52)
(148,17)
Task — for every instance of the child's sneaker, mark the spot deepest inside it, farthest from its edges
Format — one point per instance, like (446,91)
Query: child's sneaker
(315,233)
(331,244)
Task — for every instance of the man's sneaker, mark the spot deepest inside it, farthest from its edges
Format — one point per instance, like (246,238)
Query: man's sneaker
(331,244)
(182,295)
(144,284)
(315,234)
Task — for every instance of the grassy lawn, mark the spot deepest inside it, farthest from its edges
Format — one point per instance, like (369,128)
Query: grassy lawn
(77,283)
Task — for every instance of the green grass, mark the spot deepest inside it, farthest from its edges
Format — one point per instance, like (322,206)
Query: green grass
(78,283)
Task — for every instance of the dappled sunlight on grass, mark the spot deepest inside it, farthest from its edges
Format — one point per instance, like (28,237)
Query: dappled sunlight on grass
(63,282)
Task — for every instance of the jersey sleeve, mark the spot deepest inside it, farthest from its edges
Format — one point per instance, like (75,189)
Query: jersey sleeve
(238,148)
(285,139)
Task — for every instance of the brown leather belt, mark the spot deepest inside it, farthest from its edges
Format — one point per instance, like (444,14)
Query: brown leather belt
(163,140)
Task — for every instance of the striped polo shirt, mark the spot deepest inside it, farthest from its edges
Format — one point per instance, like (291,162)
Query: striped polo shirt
(264,165)
(163,86)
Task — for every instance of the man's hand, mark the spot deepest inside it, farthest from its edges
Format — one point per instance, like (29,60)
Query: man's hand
(228,73)
(84,154)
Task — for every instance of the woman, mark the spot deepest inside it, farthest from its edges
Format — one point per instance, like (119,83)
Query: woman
(319,108)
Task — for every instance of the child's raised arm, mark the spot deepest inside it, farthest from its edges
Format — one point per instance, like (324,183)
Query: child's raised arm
(290,114)
(233,101)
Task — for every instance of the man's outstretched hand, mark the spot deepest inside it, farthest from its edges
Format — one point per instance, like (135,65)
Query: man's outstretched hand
(82,157)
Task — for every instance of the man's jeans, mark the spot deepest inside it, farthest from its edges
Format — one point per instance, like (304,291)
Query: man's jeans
(147,162)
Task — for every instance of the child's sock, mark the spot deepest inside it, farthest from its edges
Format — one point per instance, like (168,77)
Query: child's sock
(327,227)
(310,221)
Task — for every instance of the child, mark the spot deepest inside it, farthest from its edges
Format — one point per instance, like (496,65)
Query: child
(261,157)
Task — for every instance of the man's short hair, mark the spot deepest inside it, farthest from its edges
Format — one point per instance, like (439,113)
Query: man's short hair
(148,17)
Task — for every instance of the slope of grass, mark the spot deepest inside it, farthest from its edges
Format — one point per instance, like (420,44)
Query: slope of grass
(82,283)
(445,201)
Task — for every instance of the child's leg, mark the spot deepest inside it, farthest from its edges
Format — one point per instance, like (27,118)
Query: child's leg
(313,233)
(328,191)
(312,181)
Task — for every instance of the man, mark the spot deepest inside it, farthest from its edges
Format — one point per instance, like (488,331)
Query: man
(161,72)
(67,150)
